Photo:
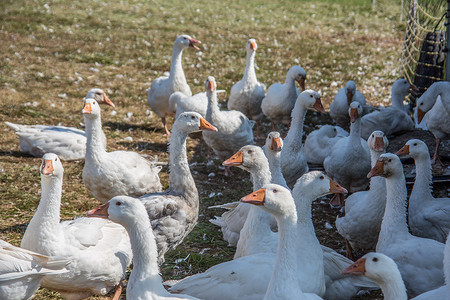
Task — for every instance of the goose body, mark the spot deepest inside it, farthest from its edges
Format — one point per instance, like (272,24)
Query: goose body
(69,143)
(428,217)
(21,271)
(100,250)
(247,94)
(341,103)
(418,259)
(183,103)
(280,98)
(320,142)
(364,210)
(234,129)
(108,174)
(293,160)
(391,119)
(174,212)
(162,87)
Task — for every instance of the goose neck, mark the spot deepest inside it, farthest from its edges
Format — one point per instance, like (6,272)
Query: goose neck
(250,74)
(393,287)
(274,158)
(295,133)
(422,186)
(176,67)
(48,211)
(212,110)
(94,138)
(397,99)
(355,133)
(261,175)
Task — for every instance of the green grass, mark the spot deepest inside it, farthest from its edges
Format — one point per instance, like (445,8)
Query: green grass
(67,47)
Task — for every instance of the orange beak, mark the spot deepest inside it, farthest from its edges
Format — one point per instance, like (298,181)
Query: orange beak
(377,170)
(318,106)
(349,98)
(420,115)
(107,101)
(353,115)
(357,268)
(276,144)
(206,126)
(335,188)
(403,151)
(86,109)
(211,86)
(253,46)
(255,198)
(192,42)
(99,212)
(379,144)
(235,160)
(47,167)
(301,82)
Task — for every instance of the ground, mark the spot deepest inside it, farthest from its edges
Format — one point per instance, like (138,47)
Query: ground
(52,53)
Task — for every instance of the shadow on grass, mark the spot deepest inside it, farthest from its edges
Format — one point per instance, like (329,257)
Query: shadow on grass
(19,228)
(14,153)
(127,126)
(160,147)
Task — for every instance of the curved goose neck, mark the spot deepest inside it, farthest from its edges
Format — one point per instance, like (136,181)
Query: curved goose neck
(250,74)
(355,135)
(397,99)
(394,220)
(180,177)
(176,68)
(377,183)
(393,287)
(212,111)
(261,174)
(293,140)
(274,158)
(94,138)
(422,186)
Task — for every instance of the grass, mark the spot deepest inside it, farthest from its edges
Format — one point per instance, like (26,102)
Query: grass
(52,53)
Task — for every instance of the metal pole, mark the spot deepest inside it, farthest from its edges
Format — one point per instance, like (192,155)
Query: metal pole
(447,59)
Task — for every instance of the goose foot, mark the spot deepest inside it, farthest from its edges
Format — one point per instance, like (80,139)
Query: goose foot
(337,201)
(167,132)
(348,250)
(436,158)
(118,291)
(228,172)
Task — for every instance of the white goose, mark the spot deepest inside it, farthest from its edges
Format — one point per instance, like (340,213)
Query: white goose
(341,103)
(21,271)
(162,87)
(109,174)
(340,164)
(435,103)
(247,94)
(272,150)
(293,160)
(69,143)
(383,270)
(100,250)
(428,217)
(234,129)
(174,212)
(144,283)
(280,98)
(364,210)
(184,103)
(320,142)
(390,120)
(419,260)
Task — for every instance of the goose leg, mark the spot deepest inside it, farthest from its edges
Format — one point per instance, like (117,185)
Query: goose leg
(118,291)
(257,135)
(163,119)
(228,172)
(348,250)
(273,126)
(337,201)
(436,158)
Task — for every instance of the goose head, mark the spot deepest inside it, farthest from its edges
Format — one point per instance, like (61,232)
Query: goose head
(387,165)
(350,90)
(316,184)
(355,111)
(100,96)
(311,100)
(247,158)
(377,141)
(251,45)
(190,122)
(273,198)
(185,41)
(210,84)
(91,109)
(274,142)
(401,87)
(375,266)
(51,166)
(414,148)
(298,74)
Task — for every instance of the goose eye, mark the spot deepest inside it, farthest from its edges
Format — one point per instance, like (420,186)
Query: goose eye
(193,117)
(421,103)
(322,177)
(415,144)
(56,159)
(311,96)
(275,191)
(375,259)
(118,203)
(250,151)
(389,160)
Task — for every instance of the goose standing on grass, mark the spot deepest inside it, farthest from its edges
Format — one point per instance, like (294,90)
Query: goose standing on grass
(390,120)
(341,103)
(428,217)
(109,174)
(383,270)
(100,250)
(318,144)
(349,161)
(21,271)
(280,98)
(247,94)
(272,150)
(162,87)
(364,210)
(69,143)
(418,259)
(438,116)
(234,129)
(174,212)
(145,282)
(293,160)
